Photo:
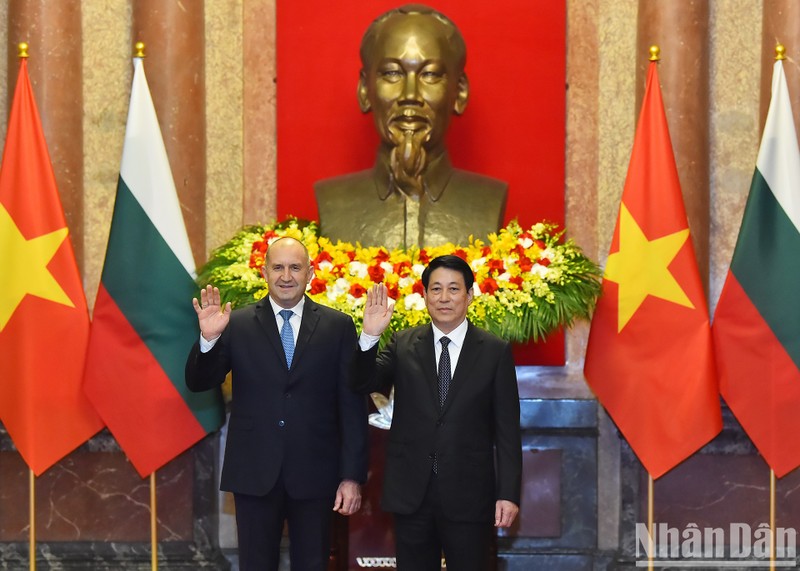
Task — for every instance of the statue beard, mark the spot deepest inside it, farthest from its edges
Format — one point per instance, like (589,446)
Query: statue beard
(408,159)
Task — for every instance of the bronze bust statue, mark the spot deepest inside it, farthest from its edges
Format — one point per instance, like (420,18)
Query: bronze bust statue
(413,80)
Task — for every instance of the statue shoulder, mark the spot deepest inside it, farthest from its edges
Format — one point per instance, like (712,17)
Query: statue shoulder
(347,184)
(472,182)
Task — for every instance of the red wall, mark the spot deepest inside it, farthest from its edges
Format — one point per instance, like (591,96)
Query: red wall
(513,128)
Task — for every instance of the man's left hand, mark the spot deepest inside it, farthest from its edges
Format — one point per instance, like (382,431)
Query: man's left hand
(348,498)
(504,513)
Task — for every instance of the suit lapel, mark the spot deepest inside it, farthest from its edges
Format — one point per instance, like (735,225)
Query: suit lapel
(423,347)
(266,318)
(308,324)
(467,359)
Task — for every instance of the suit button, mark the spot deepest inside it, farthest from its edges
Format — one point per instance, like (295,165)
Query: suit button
(439,422)
(281,423)
(432,455)
(287,395)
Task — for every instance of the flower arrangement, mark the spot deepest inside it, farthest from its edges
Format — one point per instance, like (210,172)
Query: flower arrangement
(528,282)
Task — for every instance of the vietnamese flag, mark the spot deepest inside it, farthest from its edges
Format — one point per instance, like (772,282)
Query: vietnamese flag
(649,359)
(144,324)
(757,320)
(44,322)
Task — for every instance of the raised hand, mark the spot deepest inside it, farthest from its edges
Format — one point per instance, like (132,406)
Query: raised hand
(213,319)
(377,311)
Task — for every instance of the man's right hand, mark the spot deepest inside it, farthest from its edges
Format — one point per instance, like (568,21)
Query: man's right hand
(378,311)
(213,321)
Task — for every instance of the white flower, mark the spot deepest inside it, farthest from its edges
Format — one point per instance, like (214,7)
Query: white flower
(324,266)
(525,242)
(406,282)
(387,267)
(357,269)
(414,302)
(417,269)
(477,263)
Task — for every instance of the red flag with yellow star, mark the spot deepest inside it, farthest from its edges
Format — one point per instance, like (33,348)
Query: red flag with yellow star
(649,360)
(44,322)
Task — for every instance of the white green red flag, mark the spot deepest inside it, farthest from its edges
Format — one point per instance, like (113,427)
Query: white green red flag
(144,323)
(44,322)
(649,359)
(757,319)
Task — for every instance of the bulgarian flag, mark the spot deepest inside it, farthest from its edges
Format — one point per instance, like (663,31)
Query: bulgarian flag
(757,320)
(144,324)
(44,322)
(649,359)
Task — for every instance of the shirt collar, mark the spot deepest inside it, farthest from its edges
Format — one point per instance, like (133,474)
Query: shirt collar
(456,336)
(297,309)
(437,176)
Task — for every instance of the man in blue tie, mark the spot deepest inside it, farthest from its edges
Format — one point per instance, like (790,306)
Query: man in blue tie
(297,437)
(454,453)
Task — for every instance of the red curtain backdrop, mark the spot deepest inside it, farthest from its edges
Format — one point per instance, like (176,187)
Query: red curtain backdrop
(513,128)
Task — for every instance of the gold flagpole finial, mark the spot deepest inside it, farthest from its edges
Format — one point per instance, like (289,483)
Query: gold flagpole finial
(780,52)
(655,53)
(138,49)
(22,49)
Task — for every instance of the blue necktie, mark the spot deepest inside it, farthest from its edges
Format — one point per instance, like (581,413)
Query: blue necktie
(287,338)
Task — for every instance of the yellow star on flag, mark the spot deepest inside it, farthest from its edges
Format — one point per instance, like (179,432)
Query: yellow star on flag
(24,267)
(641,268)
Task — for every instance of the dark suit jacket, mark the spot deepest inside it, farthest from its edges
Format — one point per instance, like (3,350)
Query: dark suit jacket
(477,427)
(305,421)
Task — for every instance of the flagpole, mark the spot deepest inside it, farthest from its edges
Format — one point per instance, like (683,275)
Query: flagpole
(32,518)
(780,54)
(153,534)
(650,524)
(772,538)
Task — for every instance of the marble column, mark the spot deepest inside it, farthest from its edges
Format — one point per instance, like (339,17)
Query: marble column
(173,33)
(53,32)
(260,157)
(680,29)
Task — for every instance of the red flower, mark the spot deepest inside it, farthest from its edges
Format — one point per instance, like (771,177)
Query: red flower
(323,256)
(544,262)
(517,281)
(489,285)
(393,291)
(318,285)
(382,255)
(424,258)
(351,254)
(526,236)
(269,235)
(357,290)
(495,266)
(461,254)
(525,263)
(518,250)
(486,250)
(539,244)
(376,273)
(403,268)
(418,287)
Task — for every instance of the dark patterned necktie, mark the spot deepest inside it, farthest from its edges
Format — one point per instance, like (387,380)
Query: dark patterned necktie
(444,371)
(287,338)
(444,385)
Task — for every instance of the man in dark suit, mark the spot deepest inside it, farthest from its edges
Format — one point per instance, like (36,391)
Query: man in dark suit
(297,437)
(456,417)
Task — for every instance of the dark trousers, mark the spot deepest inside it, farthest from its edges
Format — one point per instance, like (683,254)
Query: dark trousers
(259,522)
(421,538)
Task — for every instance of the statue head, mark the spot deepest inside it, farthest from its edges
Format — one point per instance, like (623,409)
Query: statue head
(413,80)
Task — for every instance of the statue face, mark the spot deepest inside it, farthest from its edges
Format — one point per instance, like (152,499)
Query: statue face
(413,82)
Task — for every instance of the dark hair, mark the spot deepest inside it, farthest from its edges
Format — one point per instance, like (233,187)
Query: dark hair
(454,38)
(449,262)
